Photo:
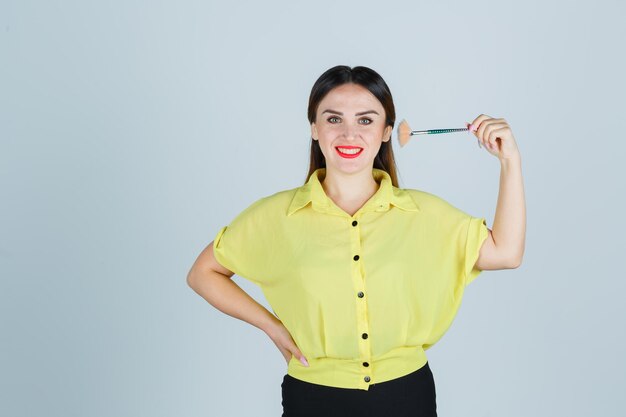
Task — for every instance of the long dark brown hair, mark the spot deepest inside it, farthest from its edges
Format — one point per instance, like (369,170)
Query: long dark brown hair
(370,79)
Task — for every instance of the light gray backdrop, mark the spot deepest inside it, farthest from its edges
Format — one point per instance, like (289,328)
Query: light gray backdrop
(131,131)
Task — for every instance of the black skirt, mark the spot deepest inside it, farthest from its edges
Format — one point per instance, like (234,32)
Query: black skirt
(411,395)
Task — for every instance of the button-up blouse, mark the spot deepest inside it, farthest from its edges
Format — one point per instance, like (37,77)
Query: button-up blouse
(364,295)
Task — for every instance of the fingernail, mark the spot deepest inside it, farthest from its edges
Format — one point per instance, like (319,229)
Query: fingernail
(304,362)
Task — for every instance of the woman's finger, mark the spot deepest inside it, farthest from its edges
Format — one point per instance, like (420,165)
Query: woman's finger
(292,350)
(494,126)
(496,134)
(296,352)
(479,124)
(478,120)
(484,125)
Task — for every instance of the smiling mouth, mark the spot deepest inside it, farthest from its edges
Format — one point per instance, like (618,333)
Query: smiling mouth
(349,150)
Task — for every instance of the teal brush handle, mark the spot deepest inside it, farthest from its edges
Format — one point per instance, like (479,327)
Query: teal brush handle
(435,131)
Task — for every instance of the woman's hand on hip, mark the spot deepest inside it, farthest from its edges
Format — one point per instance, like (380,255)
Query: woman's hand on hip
(285,343)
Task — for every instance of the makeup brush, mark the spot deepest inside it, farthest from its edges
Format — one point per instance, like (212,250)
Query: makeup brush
(405,132)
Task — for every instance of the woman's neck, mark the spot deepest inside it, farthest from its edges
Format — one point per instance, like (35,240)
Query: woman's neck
(351,190)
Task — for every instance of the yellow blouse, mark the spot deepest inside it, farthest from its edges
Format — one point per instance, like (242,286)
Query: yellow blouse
(363,296)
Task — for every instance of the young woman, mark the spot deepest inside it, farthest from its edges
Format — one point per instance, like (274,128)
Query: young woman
(363,277)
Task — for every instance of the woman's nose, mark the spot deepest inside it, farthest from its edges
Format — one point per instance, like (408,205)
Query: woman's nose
(350,130)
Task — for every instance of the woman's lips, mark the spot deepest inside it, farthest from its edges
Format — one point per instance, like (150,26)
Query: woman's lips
(349,156)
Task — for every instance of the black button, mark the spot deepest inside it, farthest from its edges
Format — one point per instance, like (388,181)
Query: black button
(356,257)
(366,364)
(367,379)
(354,223)
(364,335)
(360,294)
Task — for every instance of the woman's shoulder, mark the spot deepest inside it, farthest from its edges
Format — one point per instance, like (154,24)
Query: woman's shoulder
(268,204)
(424,198)
(431,203)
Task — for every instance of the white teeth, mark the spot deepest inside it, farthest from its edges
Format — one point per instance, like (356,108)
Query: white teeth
(349,151)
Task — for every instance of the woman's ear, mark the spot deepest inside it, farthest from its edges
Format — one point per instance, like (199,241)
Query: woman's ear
(387,134)
(313,131)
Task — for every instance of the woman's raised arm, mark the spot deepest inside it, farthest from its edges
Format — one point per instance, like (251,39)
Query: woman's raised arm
(504,248)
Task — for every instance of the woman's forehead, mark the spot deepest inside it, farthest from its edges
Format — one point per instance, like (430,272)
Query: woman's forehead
(350,96)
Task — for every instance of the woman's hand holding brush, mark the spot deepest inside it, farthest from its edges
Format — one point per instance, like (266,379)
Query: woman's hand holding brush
(496,135)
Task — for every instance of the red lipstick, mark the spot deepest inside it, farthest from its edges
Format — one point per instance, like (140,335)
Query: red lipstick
(348,156)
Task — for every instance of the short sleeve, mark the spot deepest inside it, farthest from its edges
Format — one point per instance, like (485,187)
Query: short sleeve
(477,232)
(463,236)
(242,245)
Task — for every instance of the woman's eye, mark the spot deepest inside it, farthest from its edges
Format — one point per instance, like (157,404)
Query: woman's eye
(335,119)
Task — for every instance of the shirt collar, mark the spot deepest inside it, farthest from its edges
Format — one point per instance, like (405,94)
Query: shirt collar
(386,195)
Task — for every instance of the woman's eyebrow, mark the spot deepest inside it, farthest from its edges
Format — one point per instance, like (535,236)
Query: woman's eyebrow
(356,114)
